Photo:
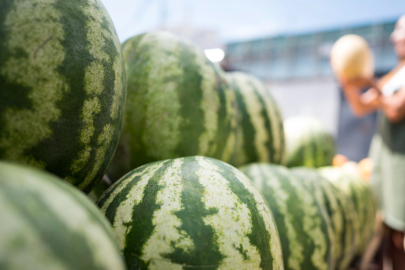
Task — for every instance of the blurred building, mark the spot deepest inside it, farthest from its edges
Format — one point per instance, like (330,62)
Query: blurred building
(297,69)
(306,56)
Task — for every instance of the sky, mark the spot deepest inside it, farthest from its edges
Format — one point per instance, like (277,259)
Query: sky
(238,20)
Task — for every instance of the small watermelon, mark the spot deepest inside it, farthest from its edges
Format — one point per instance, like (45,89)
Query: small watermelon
(47,224)
(306,238)
(62,87)
(178,104)
(193,212)
(308,142)
(341,213)
(260,133)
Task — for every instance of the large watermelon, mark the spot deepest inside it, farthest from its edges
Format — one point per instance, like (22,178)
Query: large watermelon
(191,213)
(178,104)
(306,240)
(62,87)
(341,213)
(49,225)
(308,142)
(363,198)
(260,133)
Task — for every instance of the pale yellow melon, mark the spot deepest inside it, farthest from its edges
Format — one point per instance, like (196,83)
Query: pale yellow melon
(351,58)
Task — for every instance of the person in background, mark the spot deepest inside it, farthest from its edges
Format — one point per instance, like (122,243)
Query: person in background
(388,145)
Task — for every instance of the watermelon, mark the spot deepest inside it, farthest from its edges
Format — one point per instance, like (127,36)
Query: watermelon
(47,224)
(305,235)
(340,212)
(178,104)
(308,142)
(192,212)
(363,198)
(62,87)
(260,133)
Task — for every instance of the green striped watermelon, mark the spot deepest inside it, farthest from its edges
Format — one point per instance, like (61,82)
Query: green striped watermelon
(178,104)
(62,87)
(49,225)
(340,211)
(193,212)
(363,199)
(306,240)
(308,142)
(260,133)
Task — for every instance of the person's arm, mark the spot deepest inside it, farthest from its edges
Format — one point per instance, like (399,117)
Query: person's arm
(361,103)
(394,106)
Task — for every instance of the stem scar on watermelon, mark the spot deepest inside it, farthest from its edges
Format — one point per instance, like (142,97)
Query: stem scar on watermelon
(42,45)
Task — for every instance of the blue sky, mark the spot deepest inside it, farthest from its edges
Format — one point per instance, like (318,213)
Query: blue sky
(237,20)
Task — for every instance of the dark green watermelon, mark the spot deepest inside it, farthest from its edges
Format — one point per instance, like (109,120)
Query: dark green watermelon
(306,238)
(191,213)
(62,84)
(178,104)
(340,211)
(260,132)
(47,224)
(363,198)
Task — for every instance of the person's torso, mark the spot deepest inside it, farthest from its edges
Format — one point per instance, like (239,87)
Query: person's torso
(392,134)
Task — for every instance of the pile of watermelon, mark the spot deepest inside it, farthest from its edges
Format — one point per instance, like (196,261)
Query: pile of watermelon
(180,104)
(152,131)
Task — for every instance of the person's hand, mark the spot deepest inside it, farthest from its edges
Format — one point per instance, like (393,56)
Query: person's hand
(357,83)
(359,102)
(394,106)
(371,97)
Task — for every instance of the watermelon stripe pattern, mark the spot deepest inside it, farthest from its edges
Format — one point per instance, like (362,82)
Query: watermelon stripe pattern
(63,87)
(191,212)
(308,142)
(260,135)
(306,240)
(340,211)
(40,232)
(178,104)
(362,197)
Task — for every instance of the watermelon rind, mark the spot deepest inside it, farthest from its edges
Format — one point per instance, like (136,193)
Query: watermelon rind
(178,104)
(62,82)
(340,211)
(47,224)
(260,132)
(193,212)
(363,199)
(305,234)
